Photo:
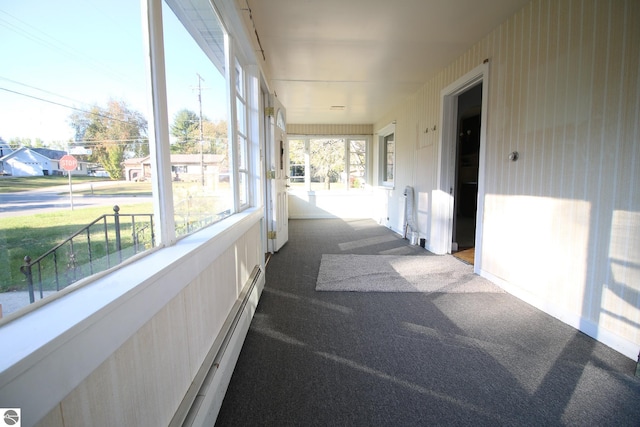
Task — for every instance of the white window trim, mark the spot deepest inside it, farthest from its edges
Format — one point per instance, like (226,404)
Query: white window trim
(159,136)
(242,98)
(250,103)
(307,160)
(382,154)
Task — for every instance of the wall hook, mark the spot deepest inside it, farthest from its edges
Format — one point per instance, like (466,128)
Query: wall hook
(513,156)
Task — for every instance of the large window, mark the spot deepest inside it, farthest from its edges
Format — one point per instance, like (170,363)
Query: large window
(328,163)
(387,144)
(242,153)
(198,118)
(73,82)
(390,157)
(77,85)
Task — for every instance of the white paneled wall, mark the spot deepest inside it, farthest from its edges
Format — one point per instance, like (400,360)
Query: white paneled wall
(562,224)
(331,129)
(145,379)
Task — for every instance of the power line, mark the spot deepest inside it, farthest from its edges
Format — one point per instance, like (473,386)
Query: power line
(41,90)
(97,144)
(63,105)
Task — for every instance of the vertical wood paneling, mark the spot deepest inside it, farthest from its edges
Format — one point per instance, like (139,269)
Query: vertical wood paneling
(543,103)
(492,167)
(628,253)
(502,108)
(594,183)
(143,382)
(564,92)
(571,149)
(610,159)
(126,388)
(525,93)
(329,129)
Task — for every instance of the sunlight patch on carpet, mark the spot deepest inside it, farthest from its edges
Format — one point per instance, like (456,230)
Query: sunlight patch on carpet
(399,273)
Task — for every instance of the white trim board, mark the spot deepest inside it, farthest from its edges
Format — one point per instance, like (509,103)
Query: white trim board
(619,344)
(442,216)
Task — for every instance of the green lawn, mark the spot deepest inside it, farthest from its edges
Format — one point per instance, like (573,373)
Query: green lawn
(119,189)
(33,235)
(14,184)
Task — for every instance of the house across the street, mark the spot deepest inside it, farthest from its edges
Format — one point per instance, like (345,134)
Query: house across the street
(184,167)
(26,161)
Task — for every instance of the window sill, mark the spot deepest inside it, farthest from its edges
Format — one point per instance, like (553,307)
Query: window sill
(63,341)
(354,192)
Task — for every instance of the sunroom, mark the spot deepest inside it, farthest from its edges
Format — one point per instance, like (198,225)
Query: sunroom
(514,137)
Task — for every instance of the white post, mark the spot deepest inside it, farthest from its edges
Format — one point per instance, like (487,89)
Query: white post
(159,122)
(70,190)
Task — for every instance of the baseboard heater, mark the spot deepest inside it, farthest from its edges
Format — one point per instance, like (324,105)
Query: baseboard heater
(192,402)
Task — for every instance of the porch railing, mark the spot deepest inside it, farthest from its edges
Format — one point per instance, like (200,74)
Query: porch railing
(106,242)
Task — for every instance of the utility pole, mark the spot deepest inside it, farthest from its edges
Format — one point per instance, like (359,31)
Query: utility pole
(200,80)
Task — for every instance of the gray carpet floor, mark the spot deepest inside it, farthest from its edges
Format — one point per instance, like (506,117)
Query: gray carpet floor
(412,359)
(399,273)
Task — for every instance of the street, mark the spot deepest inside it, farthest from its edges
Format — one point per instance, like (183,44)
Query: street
(48,200)
(56,198)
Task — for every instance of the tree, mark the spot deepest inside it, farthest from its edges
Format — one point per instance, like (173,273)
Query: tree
(59,145)
(20,142)
(186,130)
(215,136)
(327,159)
(114,133)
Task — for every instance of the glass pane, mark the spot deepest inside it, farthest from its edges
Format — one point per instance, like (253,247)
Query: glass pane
(296,163)
(327,161)
(242,188)
(391,154)
(241,113)
(239,80)
(196,92)
(357,163)
(72,83)
(242,153)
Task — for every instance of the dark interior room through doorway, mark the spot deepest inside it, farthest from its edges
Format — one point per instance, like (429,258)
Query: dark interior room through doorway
(467,164)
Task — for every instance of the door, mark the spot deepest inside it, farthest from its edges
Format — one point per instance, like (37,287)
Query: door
(466,183)
(277,176)
(443,235)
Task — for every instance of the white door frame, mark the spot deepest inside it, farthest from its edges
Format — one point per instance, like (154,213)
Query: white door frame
(277,176)
(443,201)
(264,132)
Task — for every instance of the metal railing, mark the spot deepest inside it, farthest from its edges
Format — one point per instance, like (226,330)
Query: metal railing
(104,243)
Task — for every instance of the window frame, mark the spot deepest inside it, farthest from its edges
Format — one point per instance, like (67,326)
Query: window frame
(347,160)
(246,88)
(242,162)
(383,164)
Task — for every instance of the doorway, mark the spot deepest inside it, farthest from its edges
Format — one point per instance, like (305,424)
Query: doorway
(467,164)
(276,172)
(464,107)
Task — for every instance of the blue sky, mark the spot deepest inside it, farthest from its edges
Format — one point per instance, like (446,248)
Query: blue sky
(77,53)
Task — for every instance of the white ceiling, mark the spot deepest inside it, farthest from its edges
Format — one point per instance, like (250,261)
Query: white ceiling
(365,55)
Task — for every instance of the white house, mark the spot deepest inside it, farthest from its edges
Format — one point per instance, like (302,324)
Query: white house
(26,161)
(185,167)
